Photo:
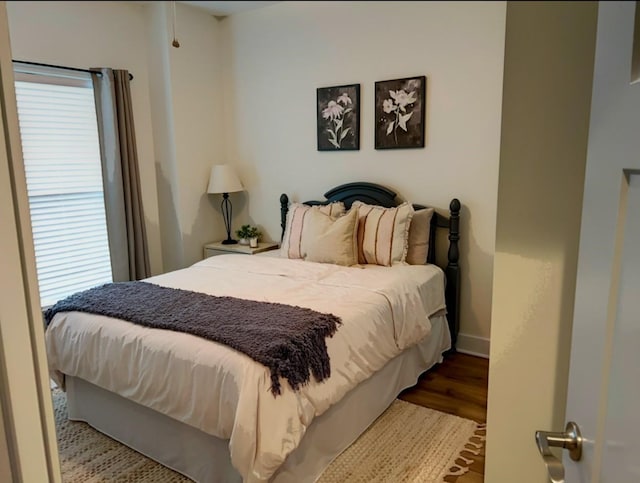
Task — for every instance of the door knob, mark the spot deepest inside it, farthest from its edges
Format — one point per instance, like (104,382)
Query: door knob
(570,440)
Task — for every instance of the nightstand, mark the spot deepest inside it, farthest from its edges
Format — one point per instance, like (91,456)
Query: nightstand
(217,248)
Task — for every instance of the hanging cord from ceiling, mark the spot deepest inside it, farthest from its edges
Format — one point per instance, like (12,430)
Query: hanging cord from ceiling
(175,43)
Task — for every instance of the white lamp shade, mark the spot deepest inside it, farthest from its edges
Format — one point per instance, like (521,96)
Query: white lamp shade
(223,179)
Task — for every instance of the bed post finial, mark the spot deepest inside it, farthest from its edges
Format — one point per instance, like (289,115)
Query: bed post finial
(452,292)
(284,208)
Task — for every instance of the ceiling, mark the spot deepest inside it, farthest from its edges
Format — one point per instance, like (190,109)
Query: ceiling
(227,8)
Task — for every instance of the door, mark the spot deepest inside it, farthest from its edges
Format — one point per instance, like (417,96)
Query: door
(604,381)
(27,412)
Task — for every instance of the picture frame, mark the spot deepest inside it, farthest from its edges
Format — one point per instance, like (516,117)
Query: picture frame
(338,118)
(400,106)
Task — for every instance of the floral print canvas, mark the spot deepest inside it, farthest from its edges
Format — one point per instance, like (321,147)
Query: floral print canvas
(400,109)
(338,118)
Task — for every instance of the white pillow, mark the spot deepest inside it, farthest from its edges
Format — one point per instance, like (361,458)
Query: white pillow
(330,240)
(296,217)
(419,232)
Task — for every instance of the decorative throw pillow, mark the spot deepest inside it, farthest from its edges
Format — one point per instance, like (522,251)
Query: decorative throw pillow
(383,233)
(330,240)
(290,247)
(419,237)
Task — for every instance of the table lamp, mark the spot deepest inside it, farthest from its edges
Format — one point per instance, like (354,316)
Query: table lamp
(224,180)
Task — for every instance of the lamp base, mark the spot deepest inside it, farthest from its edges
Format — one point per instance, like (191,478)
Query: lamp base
(229,241)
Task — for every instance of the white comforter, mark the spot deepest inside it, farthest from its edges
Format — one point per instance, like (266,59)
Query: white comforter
(225,393)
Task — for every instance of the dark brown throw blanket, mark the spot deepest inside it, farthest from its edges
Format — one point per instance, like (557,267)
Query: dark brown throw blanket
(289,340)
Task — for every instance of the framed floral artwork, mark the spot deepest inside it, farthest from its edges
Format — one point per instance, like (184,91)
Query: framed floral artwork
(338,118)
(400,113)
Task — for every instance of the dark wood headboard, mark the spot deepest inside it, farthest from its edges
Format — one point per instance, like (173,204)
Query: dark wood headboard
(375,194)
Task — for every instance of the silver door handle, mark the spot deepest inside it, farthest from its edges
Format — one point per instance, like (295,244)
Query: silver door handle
(571,440)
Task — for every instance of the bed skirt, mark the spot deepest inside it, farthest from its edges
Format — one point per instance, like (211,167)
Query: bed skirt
(205,458)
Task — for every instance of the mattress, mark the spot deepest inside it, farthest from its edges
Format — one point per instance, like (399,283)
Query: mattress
(225,394)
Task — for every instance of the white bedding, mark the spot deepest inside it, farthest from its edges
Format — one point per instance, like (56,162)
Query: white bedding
(225,393)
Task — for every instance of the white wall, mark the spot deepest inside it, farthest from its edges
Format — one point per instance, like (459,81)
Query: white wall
(196,87)
(185,90)
(279,55)
(96,34)
(161,96)
(545,123)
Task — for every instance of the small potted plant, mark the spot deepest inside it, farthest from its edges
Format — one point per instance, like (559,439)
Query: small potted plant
(248,235)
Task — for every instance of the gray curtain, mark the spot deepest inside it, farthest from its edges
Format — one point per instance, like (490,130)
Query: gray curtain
(120,174)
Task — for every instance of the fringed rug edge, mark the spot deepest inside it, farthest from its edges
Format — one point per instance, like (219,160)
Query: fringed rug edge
(459,464)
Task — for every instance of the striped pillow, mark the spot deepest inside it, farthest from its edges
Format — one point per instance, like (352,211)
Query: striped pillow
(383,233)
(292,240)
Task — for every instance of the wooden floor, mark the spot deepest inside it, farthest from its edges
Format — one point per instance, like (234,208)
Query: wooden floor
(457,386)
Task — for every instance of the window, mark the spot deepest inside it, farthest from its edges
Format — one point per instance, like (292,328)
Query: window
(61,150)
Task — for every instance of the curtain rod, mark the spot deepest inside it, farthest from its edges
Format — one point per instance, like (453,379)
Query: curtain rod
(61,67)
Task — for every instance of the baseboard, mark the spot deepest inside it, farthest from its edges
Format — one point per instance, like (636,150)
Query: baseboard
(473,345)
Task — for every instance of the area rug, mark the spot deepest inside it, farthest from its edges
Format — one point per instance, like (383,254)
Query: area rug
(407,443)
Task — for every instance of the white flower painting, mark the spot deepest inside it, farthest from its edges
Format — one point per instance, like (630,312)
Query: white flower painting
(338,118)
(400,113)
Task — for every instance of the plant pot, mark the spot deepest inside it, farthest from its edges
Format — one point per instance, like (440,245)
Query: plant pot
(253,242)
(243,241)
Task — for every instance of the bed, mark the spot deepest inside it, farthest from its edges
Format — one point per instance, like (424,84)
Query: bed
(208,411)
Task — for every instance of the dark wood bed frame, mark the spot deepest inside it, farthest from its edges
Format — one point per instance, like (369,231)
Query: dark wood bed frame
(375,194)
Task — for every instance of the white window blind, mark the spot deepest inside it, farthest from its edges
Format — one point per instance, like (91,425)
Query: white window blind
(60,145)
